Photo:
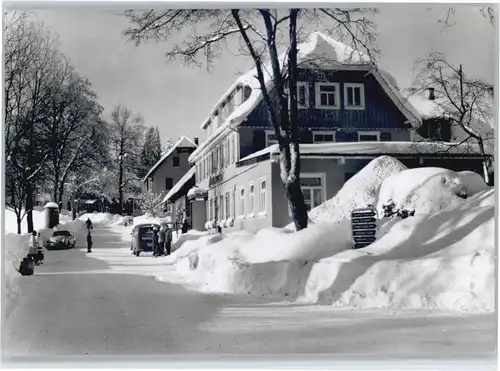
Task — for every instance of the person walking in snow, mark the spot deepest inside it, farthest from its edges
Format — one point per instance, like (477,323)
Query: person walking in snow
(161,241)
(168,239)
(89,242)
(88,223)
(33,248)
(155,242)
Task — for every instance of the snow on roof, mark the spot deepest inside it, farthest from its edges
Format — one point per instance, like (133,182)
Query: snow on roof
(179,184)
(196,190)
(425,107)
(271,149)
(182,142)
(368,148)
(319,50)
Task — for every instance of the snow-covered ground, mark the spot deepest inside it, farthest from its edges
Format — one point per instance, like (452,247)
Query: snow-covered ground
(442,259)
(16,246)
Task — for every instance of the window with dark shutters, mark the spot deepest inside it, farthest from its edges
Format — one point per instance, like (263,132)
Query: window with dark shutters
(175,159)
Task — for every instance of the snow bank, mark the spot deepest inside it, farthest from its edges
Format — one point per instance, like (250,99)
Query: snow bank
(16,247)
(38,221)
(243,263)
(442,262)
(359,191)
(430,189)
(189,236)
(441,259)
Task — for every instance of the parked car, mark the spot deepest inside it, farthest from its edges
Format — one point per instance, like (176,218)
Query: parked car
(61,240)
(142,238)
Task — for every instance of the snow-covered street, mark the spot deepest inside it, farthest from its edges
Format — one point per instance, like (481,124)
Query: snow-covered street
(77,304)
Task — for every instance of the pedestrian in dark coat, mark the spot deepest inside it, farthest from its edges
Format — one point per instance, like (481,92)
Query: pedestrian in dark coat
(161,241)
(155,242)
(185,226)
(168,239)
(88,223)
(89,242)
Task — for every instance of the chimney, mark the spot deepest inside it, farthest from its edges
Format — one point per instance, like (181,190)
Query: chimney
(196,141)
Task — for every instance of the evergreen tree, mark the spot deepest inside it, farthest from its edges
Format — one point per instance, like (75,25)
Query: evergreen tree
(151,150)
(155,146)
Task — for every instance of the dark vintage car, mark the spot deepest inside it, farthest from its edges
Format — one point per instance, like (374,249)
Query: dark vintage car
(142,238)
(60,240)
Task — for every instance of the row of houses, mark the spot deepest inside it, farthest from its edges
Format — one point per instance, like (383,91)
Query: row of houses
(349,114)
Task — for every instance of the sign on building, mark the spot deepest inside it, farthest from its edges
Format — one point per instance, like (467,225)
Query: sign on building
(364,226)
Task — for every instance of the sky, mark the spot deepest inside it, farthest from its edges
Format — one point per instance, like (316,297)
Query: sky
(177,98)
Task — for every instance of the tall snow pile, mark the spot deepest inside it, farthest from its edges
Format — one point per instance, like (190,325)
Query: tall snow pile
(15,248)
(430,189)
(441,259)
(359,191)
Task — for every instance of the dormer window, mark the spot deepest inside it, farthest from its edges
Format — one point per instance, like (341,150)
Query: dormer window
(327,95)
(354,96)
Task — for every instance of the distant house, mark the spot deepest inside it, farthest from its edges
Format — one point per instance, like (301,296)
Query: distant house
(173,165)
(177,198)
(437,126)
(349,113)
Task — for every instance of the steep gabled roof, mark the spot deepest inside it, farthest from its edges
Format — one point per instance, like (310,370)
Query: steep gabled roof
(182,142)
(319,51)
(176,188)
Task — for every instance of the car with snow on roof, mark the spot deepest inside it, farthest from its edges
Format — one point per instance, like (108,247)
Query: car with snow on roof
(60,240)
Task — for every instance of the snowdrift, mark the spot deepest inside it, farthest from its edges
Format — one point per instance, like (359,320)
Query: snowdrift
(430,189)
(38,221)
(16,246)
(441,259)
(15,249)
(359,191)
(445,261)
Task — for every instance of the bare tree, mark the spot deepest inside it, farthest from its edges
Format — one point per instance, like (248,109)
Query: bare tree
(75,131)
(30,57)
(466,102)
(261,32)
(151,203)
(487,12)
(126,134)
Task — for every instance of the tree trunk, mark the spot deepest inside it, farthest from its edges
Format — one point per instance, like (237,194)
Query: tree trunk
(297,204)
(292,184)
(29,206)
(120,189)
(18,217)
(73,206)
(485,160)
(56,187)
(61,191)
